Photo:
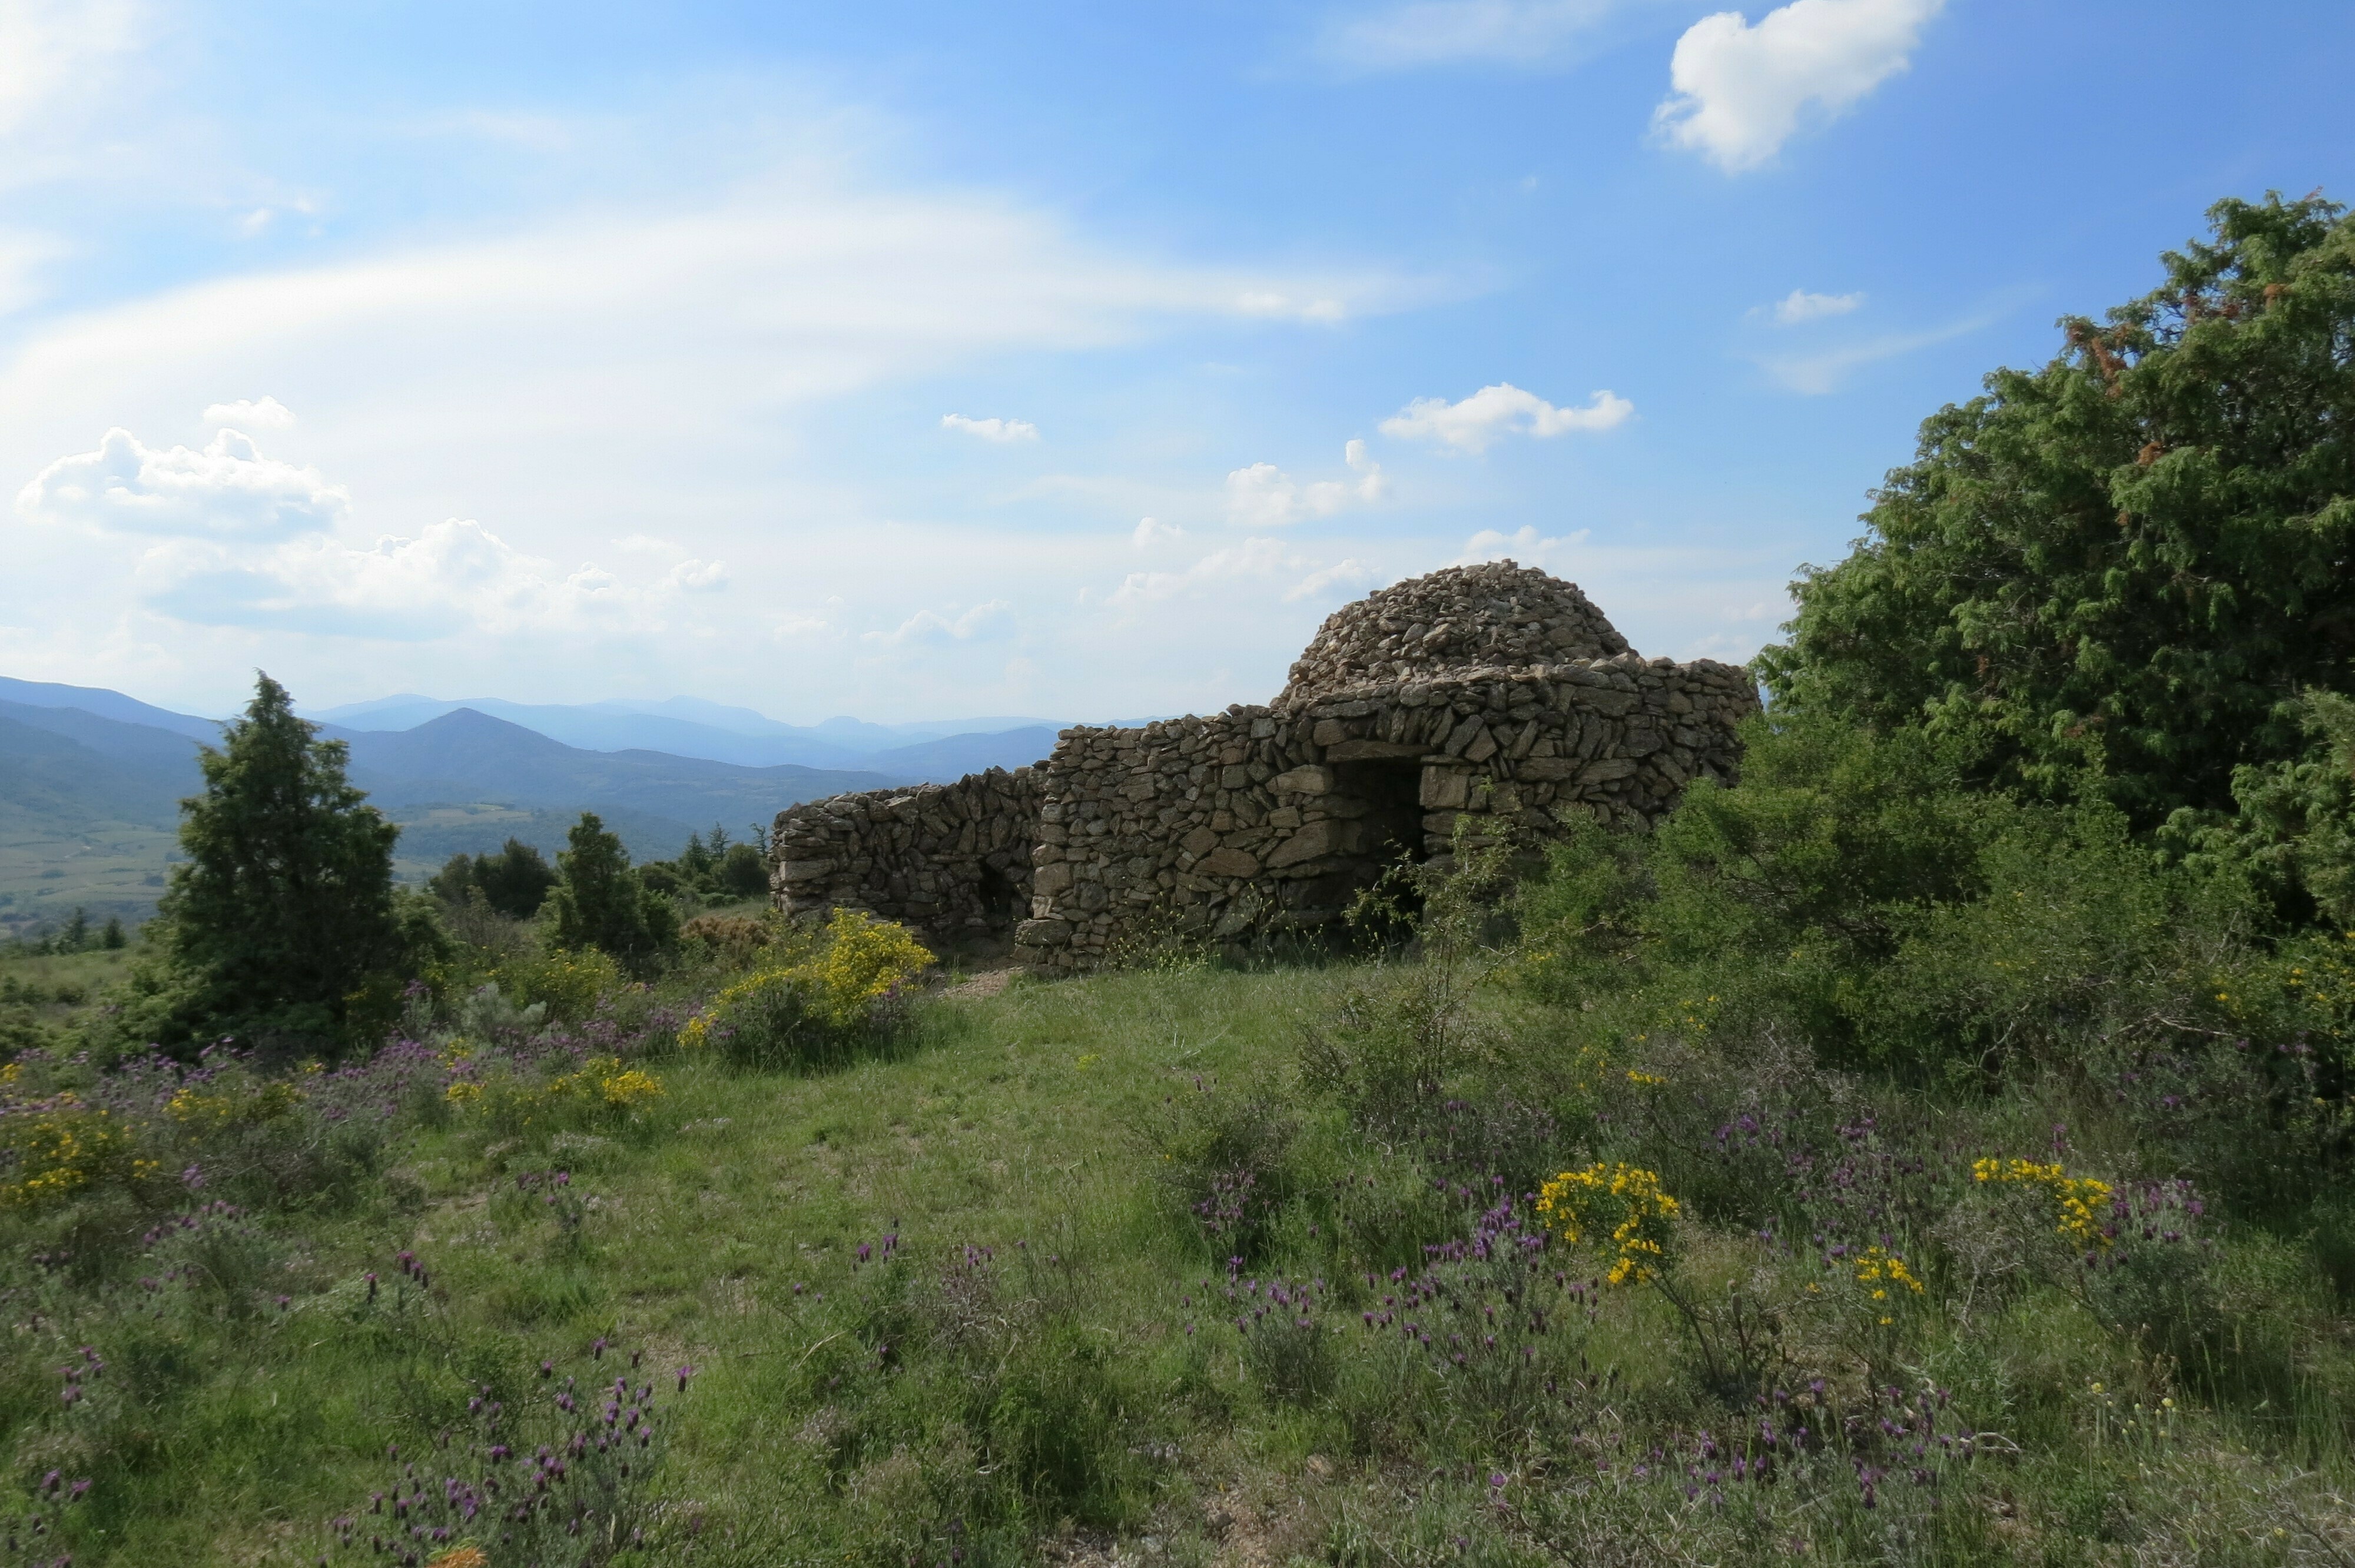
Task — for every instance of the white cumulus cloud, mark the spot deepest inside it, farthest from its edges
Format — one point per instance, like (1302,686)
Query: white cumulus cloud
(1524,545)
(699,576)
(1450,32)
(992,429)
(1799,305)
(1251,559)
(1351,573)
(228,491)
(1152,530)
(455,576)
(1494,412)
(246,414)
(1742,88)
(1265,496)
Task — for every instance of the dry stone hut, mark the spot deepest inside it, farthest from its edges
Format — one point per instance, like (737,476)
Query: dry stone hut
(1494,700)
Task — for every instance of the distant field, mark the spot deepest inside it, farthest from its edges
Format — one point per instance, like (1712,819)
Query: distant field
(119,868)
(115,868)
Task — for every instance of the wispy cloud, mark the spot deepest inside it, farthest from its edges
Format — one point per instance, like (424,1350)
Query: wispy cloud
(1799,306)
(1525,545)
(1284,307)
(1251,558)
(269,414)
(928,628)
(1823,371)
(992,429)
(1349,576)
(51,48)
(1450,32)
(1742,88)
(1495,412)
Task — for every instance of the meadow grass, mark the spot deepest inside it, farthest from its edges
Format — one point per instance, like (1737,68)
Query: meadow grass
(998,1293)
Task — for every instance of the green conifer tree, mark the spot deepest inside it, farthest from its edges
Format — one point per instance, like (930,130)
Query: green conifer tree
(284,915)
(515,880)
(599,901)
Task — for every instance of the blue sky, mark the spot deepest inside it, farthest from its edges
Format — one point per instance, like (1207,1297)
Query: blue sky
(924,360)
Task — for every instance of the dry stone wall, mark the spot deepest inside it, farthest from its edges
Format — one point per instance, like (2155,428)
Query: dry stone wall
(951,860)
(1262,820)
(1496,614)
(1477,705)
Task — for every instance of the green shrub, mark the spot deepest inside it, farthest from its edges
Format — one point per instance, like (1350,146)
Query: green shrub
(815,996)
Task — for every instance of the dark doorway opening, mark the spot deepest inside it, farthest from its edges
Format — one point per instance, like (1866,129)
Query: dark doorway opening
(1391,794)
(999,898)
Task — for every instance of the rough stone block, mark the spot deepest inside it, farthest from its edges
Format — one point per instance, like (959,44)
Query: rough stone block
(1311,780)
(1444,788)
(1315,840)
(1373,751)
(1228,862)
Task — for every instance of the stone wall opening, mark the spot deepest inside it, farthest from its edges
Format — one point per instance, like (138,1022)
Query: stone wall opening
(1392,793)
(1003,901)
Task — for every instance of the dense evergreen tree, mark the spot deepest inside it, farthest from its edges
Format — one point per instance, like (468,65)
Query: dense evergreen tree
(284,915)
(2117,571)
(744,871)
(516,880)
(599,901)
(454,882)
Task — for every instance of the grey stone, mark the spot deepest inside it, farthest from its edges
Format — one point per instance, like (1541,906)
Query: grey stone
(1228,862)
(1310,781)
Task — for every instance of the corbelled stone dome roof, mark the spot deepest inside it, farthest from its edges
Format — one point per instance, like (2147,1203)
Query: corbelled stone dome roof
(1496,613)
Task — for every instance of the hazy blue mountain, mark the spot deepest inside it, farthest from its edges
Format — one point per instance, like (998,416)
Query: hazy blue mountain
(469,756)
(54,779)
(597,730)
(146,750)
(105,704)
(955,755)
(684,726)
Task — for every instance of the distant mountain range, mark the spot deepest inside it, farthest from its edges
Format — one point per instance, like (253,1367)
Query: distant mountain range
(684,726)
(91,780)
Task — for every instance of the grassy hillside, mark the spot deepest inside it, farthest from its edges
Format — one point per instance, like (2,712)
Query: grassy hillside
(1093,1264)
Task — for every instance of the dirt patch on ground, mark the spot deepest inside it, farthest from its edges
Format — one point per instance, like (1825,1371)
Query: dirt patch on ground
(989,982)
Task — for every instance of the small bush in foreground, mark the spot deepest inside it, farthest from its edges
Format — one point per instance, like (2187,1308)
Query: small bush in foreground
(816,997)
